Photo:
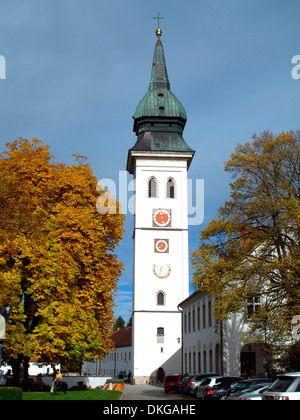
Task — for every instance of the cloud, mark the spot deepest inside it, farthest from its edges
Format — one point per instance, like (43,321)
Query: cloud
(123,301)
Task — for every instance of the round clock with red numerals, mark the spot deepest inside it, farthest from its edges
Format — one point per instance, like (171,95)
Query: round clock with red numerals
(161,245)
(162,217)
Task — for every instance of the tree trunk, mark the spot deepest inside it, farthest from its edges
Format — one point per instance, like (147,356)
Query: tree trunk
(20,368)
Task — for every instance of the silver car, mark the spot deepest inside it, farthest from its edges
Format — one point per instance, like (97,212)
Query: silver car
(254,393)
(286,387)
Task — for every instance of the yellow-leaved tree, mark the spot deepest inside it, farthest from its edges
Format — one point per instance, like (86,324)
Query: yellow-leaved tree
(57,264)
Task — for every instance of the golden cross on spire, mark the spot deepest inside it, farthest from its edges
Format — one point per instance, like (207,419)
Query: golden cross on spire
(158,30)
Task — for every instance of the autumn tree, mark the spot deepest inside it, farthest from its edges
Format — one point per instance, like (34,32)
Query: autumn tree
(250,251)
(57,263)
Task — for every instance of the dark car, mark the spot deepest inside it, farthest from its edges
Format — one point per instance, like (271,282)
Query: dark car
(183,383)
(196,380)
(216,388)
(245,384)
(172,382)
(121,375)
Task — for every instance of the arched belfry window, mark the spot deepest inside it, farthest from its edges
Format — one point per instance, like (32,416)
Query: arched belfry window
(152,188)
(170,188)
(160,298)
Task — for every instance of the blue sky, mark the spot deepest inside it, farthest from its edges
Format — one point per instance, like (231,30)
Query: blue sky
(76,70)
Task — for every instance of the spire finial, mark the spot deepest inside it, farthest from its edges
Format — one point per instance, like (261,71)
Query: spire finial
(158,30)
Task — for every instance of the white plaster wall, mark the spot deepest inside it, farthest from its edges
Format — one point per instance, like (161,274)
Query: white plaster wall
(151,354)
(148,316)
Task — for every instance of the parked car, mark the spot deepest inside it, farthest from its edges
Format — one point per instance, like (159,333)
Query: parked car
(121,375)
(246,384)
(254,393)
(185,386)
(213,388)
(172,382)
(218,391)
(286,387)
(183,383)
(196,380)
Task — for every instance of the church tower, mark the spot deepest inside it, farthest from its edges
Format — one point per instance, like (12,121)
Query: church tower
(159,162)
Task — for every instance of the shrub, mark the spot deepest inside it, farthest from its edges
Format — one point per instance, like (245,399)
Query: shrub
(10,393)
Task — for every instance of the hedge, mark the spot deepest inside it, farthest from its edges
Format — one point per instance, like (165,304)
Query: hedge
(10,393)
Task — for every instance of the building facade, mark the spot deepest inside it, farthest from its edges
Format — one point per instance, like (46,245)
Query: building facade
(214,346)
(116,361)
(159,162)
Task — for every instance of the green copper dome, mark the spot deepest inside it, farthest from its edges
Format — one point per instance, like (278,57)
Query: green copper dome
(159,101)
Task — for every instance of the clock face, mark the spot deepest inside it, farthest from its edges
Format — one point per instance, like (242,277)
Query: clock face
(161,271)
(162,217)
(161,245)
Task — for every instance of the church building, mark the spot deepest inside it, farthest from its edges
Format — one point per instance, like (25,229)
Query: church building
(159,162)
(171,332)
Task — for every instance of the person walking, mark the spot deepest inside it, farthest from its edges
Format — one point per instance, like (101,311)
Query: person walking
(58,383)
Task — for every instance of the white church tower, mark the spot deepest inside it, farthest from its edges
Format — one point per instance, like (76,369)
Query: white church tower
(159,162)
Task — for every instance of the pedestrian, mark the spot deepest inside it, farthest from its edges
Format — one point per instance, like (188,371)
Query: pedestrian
(58,383)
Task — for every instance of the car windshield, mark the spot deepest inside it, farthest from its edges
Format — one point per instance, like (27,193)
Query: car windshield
(223,384)
(281,384)
(172,378)
(255,388)
(240,385)
(206,381)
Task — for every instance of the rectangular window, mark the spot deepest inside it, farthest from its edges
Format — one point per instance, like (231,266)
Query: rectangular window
(199,317)
(194,320)
(209,314)
(253,305)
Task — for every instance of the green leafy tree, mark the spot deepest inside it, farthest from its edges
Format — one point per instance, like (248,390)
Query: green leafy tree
(251,249)
(120,323)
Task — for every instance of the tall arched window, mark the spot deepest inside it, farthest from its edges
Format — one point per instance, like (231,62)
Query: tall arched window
(152,188)
(170,188)
(160,298)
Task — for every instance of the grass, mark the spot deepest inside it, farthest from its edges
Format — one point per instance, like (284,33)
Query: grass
(94,394)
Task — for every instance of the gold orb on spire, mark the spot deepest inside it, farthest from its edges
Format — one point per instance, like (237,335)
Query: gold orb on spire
(158,32)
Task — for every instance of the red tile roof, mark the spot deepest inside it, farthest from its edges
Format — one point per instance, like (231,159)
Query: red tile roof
(122,337)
